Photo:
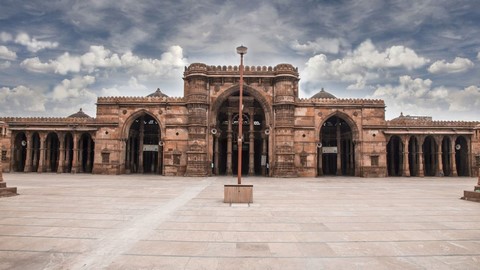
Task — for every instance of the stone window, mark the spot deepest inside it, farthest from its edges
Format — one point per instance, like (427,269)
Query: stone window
(374,160)
(105,157)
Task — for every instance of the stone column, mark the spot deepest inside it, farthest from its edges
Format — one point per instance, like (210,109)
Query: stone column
(88,166)
(61,154)
(229,145)
(251,163)
(217,152)
(320,161)
(28,159)
(264,154)
(439,158)
(339,150)
(41,156)
(406,164)
(140,146)
(452,157)
(68,146)
(421,171)
(75,153)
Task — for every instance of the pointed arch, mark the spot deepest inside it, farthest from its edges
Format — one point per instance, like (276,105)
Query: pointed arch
(132,117)
(346,118)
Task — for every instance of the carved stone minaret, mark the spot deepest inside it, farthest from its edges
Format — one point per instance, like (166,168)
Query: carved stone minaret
(286,91)
(196,94)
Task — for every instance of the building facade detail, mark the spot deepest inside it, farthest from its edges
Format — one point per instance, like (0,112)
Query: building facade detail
(283,135)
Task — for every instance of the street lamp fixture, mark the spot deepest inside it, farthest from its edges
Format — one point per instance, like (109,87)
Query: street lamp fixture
(240,50)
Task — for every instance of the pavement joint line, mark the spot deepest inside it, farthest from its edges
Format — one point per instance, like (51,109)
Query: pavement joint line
(46,236)
(311,242)
(111,245)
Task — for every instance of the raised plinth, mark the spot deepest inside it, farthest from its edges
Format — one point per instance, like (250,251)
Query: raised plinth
(472,195)
(238,194)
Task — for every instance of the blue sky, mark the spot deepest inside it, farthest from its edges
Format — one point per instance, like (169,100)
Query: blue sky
(421,57)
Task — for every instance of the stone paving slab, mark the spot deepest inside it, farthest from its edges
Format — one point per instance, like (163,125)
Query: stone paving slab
(64,221)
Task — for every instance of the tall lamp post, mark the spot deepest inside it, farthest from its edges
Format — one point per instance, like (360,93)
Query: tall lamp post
(240,50)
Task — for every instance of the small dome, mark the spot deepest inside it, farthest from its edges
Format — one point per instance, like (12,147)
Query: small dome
(79,114)
(157,93)
(323,94)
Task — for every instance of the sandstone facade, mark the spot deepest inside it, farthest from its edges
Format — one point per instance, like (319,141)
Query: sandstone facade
(283,135)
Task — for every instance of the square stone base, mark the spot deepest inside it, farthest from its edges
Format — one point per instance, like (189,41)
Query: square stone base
(238,194)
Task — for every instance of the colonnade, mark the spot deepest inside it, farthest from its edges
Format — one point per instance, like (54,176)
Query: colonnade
(428,155)
(51,151)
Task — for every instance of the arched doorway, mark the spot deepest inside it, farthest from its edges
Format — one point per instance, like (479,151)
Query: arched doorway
(68,152)
(86,154)
(413,158)
(52,151)
(255,140)
(429,156)
(19,152)
(395,156)
(35,148)
(143,147)
(461,156)
(446,160)
(337,154)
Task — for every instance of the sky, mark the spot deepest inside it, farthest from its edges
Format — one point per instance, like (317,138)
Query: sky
(422,57)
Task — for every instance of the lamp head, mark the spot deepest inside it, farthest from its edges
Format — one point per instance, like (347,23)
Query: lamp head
(242,50)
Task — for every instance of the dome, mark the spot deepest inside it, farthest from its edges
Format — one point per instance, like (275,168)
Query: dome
(79,114)
(157,93)
(323,94)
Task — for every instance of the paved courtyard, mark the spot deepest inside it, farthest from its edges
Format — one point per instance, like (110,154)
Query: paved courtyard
(63,221)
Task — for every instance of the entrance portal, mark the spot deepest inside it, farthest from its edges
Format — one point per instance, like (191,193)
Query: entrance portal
(144,152)
(255,141)
(337,154)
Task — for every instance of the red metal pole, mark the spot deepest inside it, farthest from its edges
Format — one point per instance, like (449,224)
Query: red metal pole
(240,124)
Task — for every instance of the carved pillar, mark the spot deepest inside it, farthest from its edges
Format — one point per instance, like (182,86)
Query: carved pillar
(41,157)
(452,157)
(229,145)
(28,160)
(339,150)
(251,163)
(217,153)
(406,164)
(61,154)
(439,166)
(68,146)
(88,166)
(140,145)
(264,154)
(421,171)
(75,153)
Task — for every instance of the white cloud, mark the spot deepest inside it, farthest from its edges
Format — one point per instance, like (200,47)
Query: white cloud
(6,54)
(465,100)
(319,45)
(33,44)
(15,101)
(361,65)
(133,86)
(478,56)
(170,62)
(5,37)
(5,64)
(458,65)
(74,89)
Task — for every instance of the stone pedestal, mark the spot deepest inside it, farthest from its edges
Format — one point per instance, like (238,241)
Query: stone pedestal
(238,194)
(4,190)
(473,195)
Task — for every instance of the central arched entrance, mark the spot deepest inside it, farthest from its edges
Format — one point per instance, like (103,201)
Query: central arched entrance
(143,147)
(337,152)
(255,137)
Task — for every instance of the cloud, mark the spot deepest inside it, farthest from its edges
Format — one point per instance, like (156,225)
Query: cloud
(478,56)
(97,57)
(74,89)
(6,54)
(458,65)
(33,44)
(5,64)
(319,45)
(466,99)
(15,101)
(132,86)
(5,37)
(362,64)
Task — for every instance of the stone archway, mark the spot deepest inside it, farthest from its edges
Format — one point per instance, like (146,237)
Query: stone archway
(461,156)
(19,152)
(144,152)
(337,152)
(255,143)
(395,156)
